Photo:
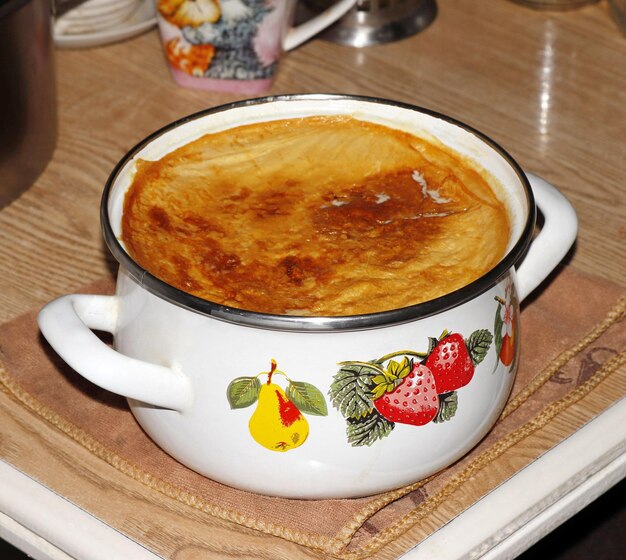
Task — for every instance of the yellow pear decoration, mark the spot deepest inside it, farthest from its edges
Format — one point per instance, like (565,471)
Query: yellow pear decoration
(277,423)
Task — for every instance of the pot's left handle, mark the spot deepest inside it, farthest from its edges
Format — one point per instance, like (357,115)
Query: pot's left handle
(66,322)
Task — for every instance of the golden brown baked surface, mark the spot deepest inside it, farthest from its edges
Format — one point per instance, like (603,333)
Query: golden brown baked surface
(314,216)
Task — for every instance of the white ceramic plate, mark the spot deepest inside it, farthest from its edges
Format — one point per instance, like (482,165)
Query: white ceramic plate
(142,20)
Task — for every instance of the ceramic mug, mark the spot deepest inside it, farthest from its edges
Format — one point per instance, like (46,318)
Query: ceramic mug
(197,374)
(233,45)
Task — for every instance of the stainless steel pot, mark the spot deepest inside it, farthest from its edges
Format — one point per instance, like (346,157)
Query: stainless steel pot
(28,120)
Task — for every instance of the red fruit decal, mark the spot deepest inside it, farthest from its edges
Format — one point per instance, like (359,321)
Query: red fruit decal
(287,411)
(414,401)
(507,353)
(418,388)
(505,327)
(450,363)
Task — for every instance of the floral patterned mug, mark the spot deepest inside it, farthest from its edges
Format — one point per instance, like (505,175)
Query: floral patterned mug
(233,45)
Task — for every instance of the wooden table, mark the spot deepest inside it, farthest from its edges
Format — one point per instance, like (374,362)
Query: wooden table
(548,86)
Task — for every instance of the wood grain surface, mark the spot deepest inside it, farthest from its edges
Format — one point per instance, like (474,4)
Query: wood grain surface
(550,87)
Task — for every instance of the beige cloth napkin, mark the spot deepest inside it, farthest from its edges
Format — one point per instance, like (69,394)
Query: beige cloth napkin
(573,339)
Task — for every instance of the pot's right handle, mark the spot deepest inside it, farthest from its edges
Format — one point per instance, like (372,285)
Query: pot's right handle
(66,322)
(553,241)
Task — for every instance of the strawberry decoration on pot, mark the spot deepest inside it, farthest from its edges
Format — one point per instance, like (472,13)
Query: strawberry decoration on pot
(420,388)
(414,401)
(451,363)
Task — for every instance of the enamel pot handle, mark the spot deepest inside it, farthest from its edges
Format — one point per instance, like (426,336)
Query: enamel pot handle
(553,241)
(66,323)
(298,35)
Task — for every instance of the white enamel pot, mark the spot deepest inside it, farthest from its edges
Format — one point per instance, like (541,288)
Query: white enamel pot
(195,373)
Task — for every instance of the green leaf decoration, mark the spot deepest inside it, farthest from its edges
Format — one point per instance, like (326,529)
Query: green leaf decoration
(367,430)
(390,378)
(350,391)
(381,386)
(432,343)
(243,391)
(478,345)
(399,370)
(497,329)
(448,403)
(380,379)
(307,398)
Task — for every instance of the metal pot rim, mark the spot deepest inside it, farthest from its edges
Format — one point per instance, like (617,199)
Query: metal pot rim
(317,323)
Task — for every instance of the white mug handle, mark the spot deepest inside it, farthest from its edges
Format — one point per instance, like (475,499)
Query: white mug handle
(66,322)
(299,34)
(553,241)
